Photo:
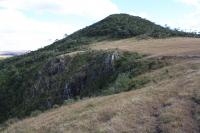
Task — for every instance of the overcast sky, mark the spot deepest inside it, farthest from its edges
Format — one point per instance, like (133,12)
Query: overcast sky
(32,24)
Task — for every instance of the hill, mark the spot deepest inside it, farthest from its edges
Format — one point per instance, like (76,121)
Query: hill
(124,26)
(117,26)
(70,69)
(165,99)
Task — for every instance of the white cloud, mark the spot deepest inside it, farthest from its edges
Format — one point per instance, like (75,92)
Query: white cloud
(189,21)
(19,32)
(88,8)
(195,3)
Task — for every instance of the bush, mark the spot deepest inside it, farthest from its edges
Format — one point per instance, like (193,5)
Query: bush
(35,113)
(69,101)
(56,106)
(122,82)
(138,82)
(125,83)
(11,121)
(196,96)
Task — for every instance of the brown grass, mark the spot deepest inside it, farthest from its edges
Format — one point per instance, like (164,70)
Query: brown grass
(162,106)
(156,47)
(170,103)
(72,54)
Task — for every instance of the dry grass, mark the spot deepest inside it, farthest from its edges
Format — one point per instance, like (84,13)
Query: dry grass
(156,47)
(170,103)
(164,105)
(72,54)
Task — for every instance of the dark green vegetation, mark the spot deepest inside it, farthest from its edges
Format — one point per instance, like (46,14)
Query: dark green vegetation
(116,26)
(123,26)
(40,85)
(43,78)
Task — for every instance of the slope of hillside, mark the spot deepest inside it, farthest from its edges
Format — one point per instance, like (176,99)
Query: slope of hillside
(124,26)
(170,103)
(116,26)
(155,47)
(69,69)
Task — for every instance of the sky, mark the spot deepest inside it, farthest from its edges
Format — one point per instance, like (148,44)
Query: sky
(33,24)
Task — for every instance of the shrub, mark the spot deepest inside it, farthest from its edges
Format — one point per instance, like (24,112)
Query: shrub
(197,115)
(11,121)
(35,113)
(69,101)
(122,82)
(56,106)
(138,82)
(196,96)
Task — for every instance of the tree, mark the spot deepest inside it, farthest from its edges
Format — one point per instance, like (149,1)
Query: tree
(66,35)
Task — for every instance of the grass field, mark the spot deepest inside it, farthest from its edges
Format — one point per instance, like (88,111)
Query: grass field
(169,103)
(156,47)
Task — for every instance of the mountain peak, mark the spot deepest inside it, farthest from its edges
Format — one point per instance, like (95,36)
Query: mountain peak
(124,26)
(116,26)
(120,14)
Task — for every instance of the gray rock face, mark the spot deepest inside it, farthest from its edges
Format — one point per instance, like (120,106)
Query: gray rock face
(56,66)
(95,71)
(115,56)
(58,82)
(111,58)
(66,92)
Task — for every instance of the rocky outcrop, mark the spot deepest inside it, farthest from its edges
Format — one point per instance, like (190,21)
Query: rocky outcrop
(66,77)
(82,83)
(55,66)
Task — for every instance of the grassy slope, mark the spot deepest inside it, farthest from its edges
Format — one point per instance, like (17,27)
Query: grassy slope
(38,80)
(177,46)
(21,91)
(169,103)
